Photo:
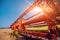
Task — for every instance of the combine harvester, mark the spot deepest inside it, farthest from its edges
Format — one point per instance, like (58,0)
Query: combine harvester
(49,10)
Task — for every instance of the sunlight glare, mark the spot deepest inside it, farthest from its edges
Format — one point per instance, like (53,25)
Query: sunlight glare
(38,9)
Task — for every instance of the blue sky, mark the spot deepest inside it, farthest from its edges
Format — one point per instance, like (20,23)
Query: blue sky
(10,10)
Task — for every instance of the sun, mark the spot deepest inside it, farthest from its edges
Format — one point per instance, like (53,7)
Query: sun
(38,9)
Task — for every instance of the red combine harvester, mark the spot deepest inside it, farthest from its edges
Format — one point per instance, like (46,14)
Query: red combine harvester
(49,10)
